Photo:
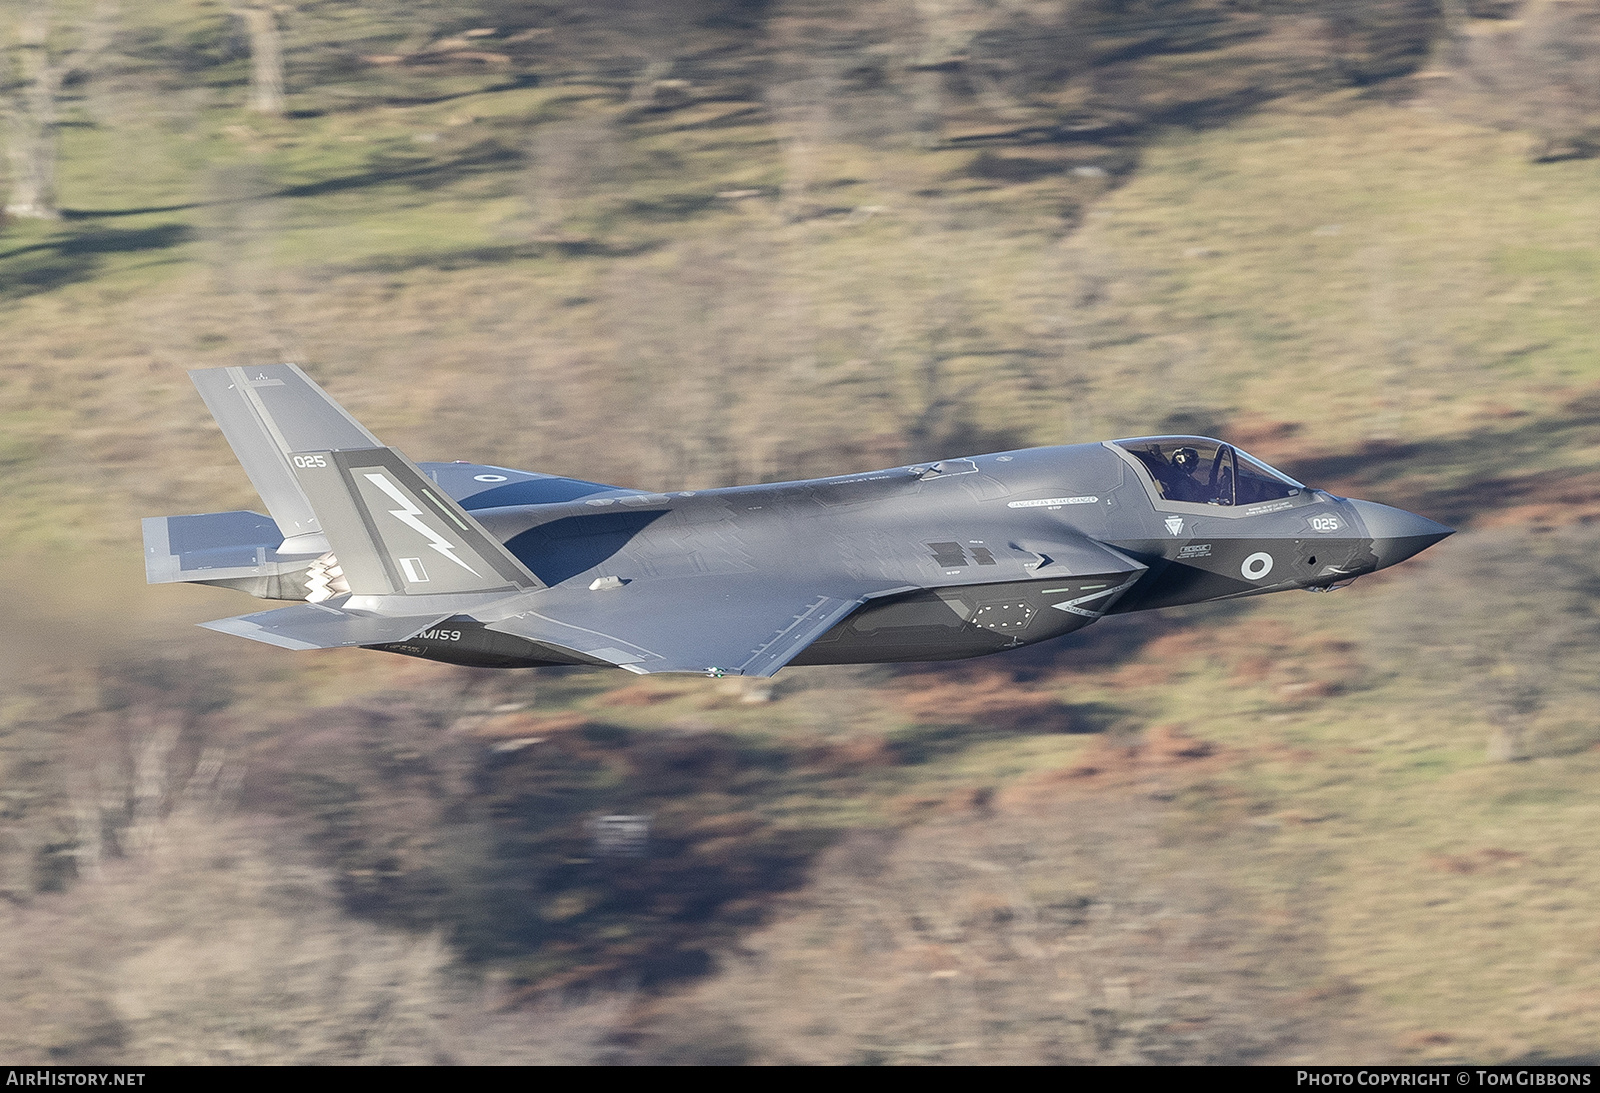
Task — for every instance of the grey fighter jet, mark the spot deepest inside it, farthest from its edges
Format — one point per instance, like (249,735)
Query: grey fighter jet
(488,566)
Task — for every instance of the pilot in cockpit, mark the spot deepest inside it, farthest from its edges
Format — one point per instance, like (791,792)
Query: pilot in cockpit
(1200,471)
(1180,483)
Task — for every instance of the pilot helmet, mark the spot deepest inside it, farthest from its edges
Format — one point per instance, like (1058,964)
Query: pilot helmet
(1186,459)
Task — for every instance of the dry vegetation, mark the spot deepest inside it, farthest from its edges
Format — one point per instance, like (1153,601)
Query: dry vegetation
(689,244)
(206,944)
(1075,929)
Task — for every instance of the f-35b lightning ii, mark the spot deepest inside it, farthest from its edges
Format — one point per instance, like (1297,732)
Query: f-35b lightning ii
(487,566)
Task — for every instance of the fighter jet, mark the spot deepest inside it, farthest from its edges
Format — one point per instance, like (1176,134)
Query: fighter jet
(482,565)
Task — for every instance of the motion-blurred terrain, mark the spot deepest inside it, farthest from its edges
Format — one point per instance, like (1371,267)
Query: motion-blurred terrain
(693,244)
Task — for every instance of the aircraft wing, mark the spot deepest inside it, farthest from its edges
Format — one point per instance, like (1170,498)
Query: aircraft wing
(734,624)
(753,623)
(316,626)
(480,486)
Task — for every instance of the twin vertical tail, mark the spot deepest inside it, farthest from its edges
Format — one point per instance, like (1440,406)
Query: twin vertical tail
(395,534)
(358,527)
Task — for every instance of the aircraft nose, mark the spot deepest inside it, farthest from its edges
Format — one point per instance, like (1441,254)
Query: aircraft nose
(1396,533)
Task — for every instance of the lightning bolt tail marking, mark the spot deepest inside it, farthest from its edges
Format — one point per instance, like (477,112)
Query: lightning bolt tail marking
(408,515)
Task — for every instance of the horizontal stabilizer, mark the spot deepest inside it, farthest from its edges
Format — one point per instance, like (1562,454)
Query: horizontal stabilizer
(313,626)
(215,545)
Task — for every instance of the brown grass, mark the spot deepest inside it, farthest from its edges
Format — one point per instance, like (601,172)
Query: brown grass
(988,698)
(1062,932)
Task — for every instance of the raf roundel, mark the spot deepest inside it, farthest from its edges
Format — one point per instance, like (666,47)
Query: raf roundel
(1256,566)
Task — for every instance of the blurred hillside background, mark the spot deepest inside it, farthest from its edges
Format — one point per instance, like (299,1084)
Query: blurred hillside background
(696,243)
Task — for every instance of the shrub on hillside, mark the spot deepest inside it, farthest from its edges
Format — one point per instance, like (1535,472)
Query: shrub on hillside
(1540,73)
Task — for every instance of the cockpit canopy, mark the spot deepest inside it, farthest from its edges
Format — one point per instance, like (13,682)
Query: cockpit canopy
(1203,471)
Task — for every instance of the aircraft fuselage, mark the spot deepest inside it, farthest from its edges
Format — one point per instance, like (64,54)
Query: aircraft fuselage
(968,556)
(496,567)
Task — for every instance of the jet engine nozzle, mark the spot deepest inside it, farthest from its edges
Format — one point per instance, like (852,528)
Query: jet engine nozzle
(1398,534)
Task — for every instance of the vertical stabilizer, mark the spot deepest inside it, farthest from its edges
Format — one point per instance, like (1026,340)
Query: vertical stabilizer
(268,412)
(332,486)
(395,532)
